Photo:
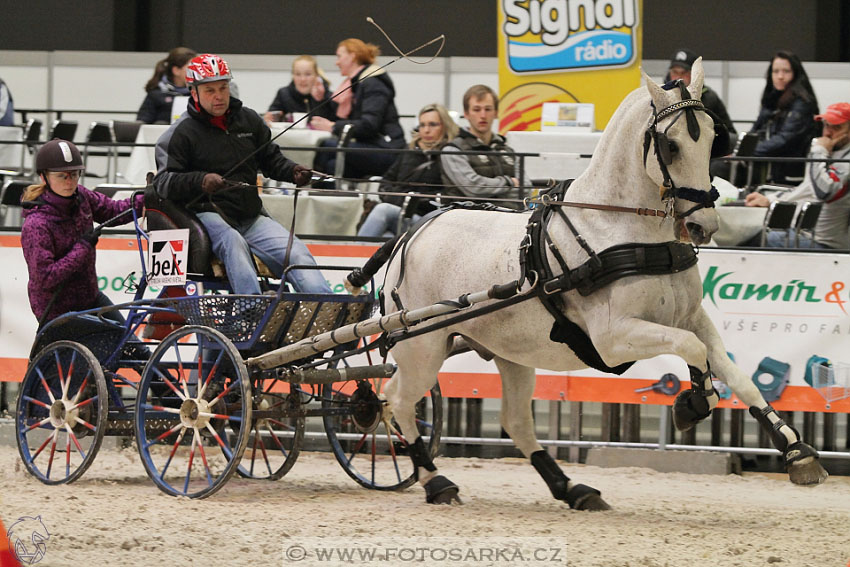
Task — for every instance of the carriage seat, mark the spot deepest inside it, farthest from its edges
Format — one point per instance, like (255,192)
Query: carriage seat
(164,214)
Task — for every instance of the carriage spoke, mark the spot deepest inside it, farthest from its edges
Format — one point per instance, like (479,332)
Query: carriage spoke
(46,387)
(263,451)
(164,435)
(36,402)
(211,373)
(85,402)
(52,452)
(274,435)
(37,424)
(41,448)
(85,423)
(225,392)
(170,384)
(81,389)
(374,446)
(173,451)
(181,373)
(72,437)
(59,371)
(68,452)
(392,450)
(204,458)
(224,447)
(219,416)
(357,448)
(161,408)
(191,460)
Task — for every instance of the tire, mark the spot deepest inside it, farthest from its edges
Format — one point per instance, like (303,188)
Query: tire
(194,396)
(62,408)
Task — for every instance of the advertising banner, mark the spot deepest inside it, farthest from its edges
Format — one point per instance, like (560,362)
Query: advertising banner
(783,317)
(568,51)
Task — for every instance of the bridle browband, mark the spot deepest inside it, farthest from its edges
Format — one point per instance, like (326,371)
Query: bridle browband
(688,105)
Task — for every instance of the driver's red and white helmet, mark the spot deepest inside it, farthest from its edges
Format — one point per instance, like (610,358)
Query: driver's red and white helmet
(207,68)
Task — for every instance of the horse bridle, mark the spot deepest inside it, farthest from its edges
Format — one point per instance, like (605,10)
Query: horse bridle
(664,150)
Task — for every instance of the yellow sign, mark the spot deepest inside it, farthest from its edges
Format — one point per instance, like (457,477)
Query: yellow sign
(586,51)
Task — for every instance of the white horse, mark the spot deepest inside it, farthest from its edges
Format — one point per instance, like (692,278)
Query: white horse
(653,156)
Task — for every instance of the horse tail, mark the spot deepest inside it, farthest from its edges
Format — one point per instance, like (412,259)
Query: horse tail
(359,277)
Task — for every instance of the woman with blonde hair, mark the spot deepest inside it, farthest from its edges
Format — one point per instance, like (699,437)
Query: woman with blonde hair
(307,92)
(417,172)
(368,106)
(168,81)
(58,238)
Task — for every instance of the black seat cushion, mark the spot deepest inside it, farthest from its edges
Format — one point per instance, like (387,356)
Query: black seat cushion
(164,214)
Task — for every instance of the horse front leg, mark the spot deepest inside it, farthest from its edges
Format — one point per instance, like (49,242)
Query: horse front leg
(419,360)
(636,339)
(801,459)
(518,421)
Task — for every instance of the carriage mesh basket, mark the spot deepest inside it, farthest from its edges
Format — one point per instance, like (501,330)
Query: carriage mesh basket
(236,316)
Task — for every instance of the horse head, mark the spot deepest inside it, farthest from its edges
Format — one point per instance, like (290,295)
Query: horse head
(678,144)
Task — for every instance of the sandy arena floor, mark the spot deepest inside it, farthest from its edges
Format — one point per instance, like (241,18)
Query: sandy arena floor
(114,515)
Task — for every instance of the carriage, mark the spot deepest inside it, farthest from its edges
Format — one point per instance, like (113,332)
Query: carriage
(197,412)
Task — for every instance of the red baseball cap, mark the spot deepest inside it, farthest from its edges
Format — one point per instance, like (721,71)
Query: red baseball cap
(836,114)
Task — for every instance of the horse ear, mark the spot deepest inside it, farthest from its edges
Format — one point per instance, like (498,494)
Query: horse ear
(659,96)
(697,79)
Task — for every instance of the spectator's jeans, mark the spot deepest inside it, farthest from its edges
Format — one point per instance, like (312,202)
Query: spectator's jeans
(776,239)
(383,221)
(267,239)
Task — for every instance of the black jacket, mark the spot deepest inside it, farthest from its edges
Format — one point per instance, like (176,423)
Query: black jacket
(193,147)
(289,100)
(712,101)
(373,118)
(419,167)
(786,132)
(158,103)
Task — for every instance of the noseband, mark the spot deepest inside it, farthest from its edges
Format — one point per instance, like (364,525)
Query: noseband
(664,150)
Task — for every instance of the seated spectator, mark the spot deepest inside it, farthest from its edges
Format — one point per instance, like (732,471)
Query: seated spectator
(7,108)
(484,175)
(788,105)
(680,69)
(57,236)
(309,89)
(435,129)
(825,181)
(369,106)
(167,82)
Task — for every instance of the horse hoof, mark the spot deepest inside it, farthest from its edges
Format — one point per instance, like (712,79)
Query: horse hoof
(685,415)
(809,473)
(583,497)
(803,466)
(440,490)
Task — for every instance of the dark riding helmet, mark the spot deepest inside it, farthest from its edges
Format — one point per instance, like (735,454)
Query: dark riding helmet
(58,155)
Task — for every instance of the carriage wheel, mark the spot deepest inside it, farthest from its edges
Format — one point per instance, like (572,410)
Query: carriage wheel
(367,442)
(61,412)
(193,398)
(275,440)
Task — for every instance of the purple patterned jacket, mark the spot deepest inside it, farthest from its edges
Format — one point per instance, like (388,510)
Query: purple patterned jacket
(55,255)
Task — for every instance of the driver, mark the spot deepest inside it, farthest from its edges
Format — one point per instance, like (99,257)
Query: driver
(218,136)
(57,237)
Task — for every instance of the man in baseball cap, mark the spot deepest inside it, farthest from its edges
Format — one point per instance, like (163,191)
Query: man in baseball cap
(825,181)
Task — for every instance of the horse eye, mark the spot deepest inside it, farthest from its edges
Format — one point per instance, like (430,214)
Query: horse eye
(674,148)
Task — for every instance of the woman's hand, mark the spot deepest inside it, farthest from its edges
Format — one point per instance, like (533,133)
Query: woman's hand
(318,90)
(756,200)
(272,116)
(321,123)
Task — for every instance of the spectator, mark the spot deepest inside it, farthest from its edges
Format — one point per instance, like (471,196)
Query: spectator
(309,89)
(217,136)
(785,121)
(57,236)
(484,175)
(436,128)
(680,68)
(7,108)
(167,82)
(825,181)
(369,107)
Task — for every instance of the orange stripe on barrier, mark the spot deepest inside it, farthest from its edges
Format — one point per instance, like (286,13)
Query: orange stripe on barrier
(343,250)
(105,243)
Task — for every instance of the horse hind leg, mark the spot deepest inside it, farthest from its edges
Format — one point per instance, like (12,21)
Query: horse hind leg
(518,421)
